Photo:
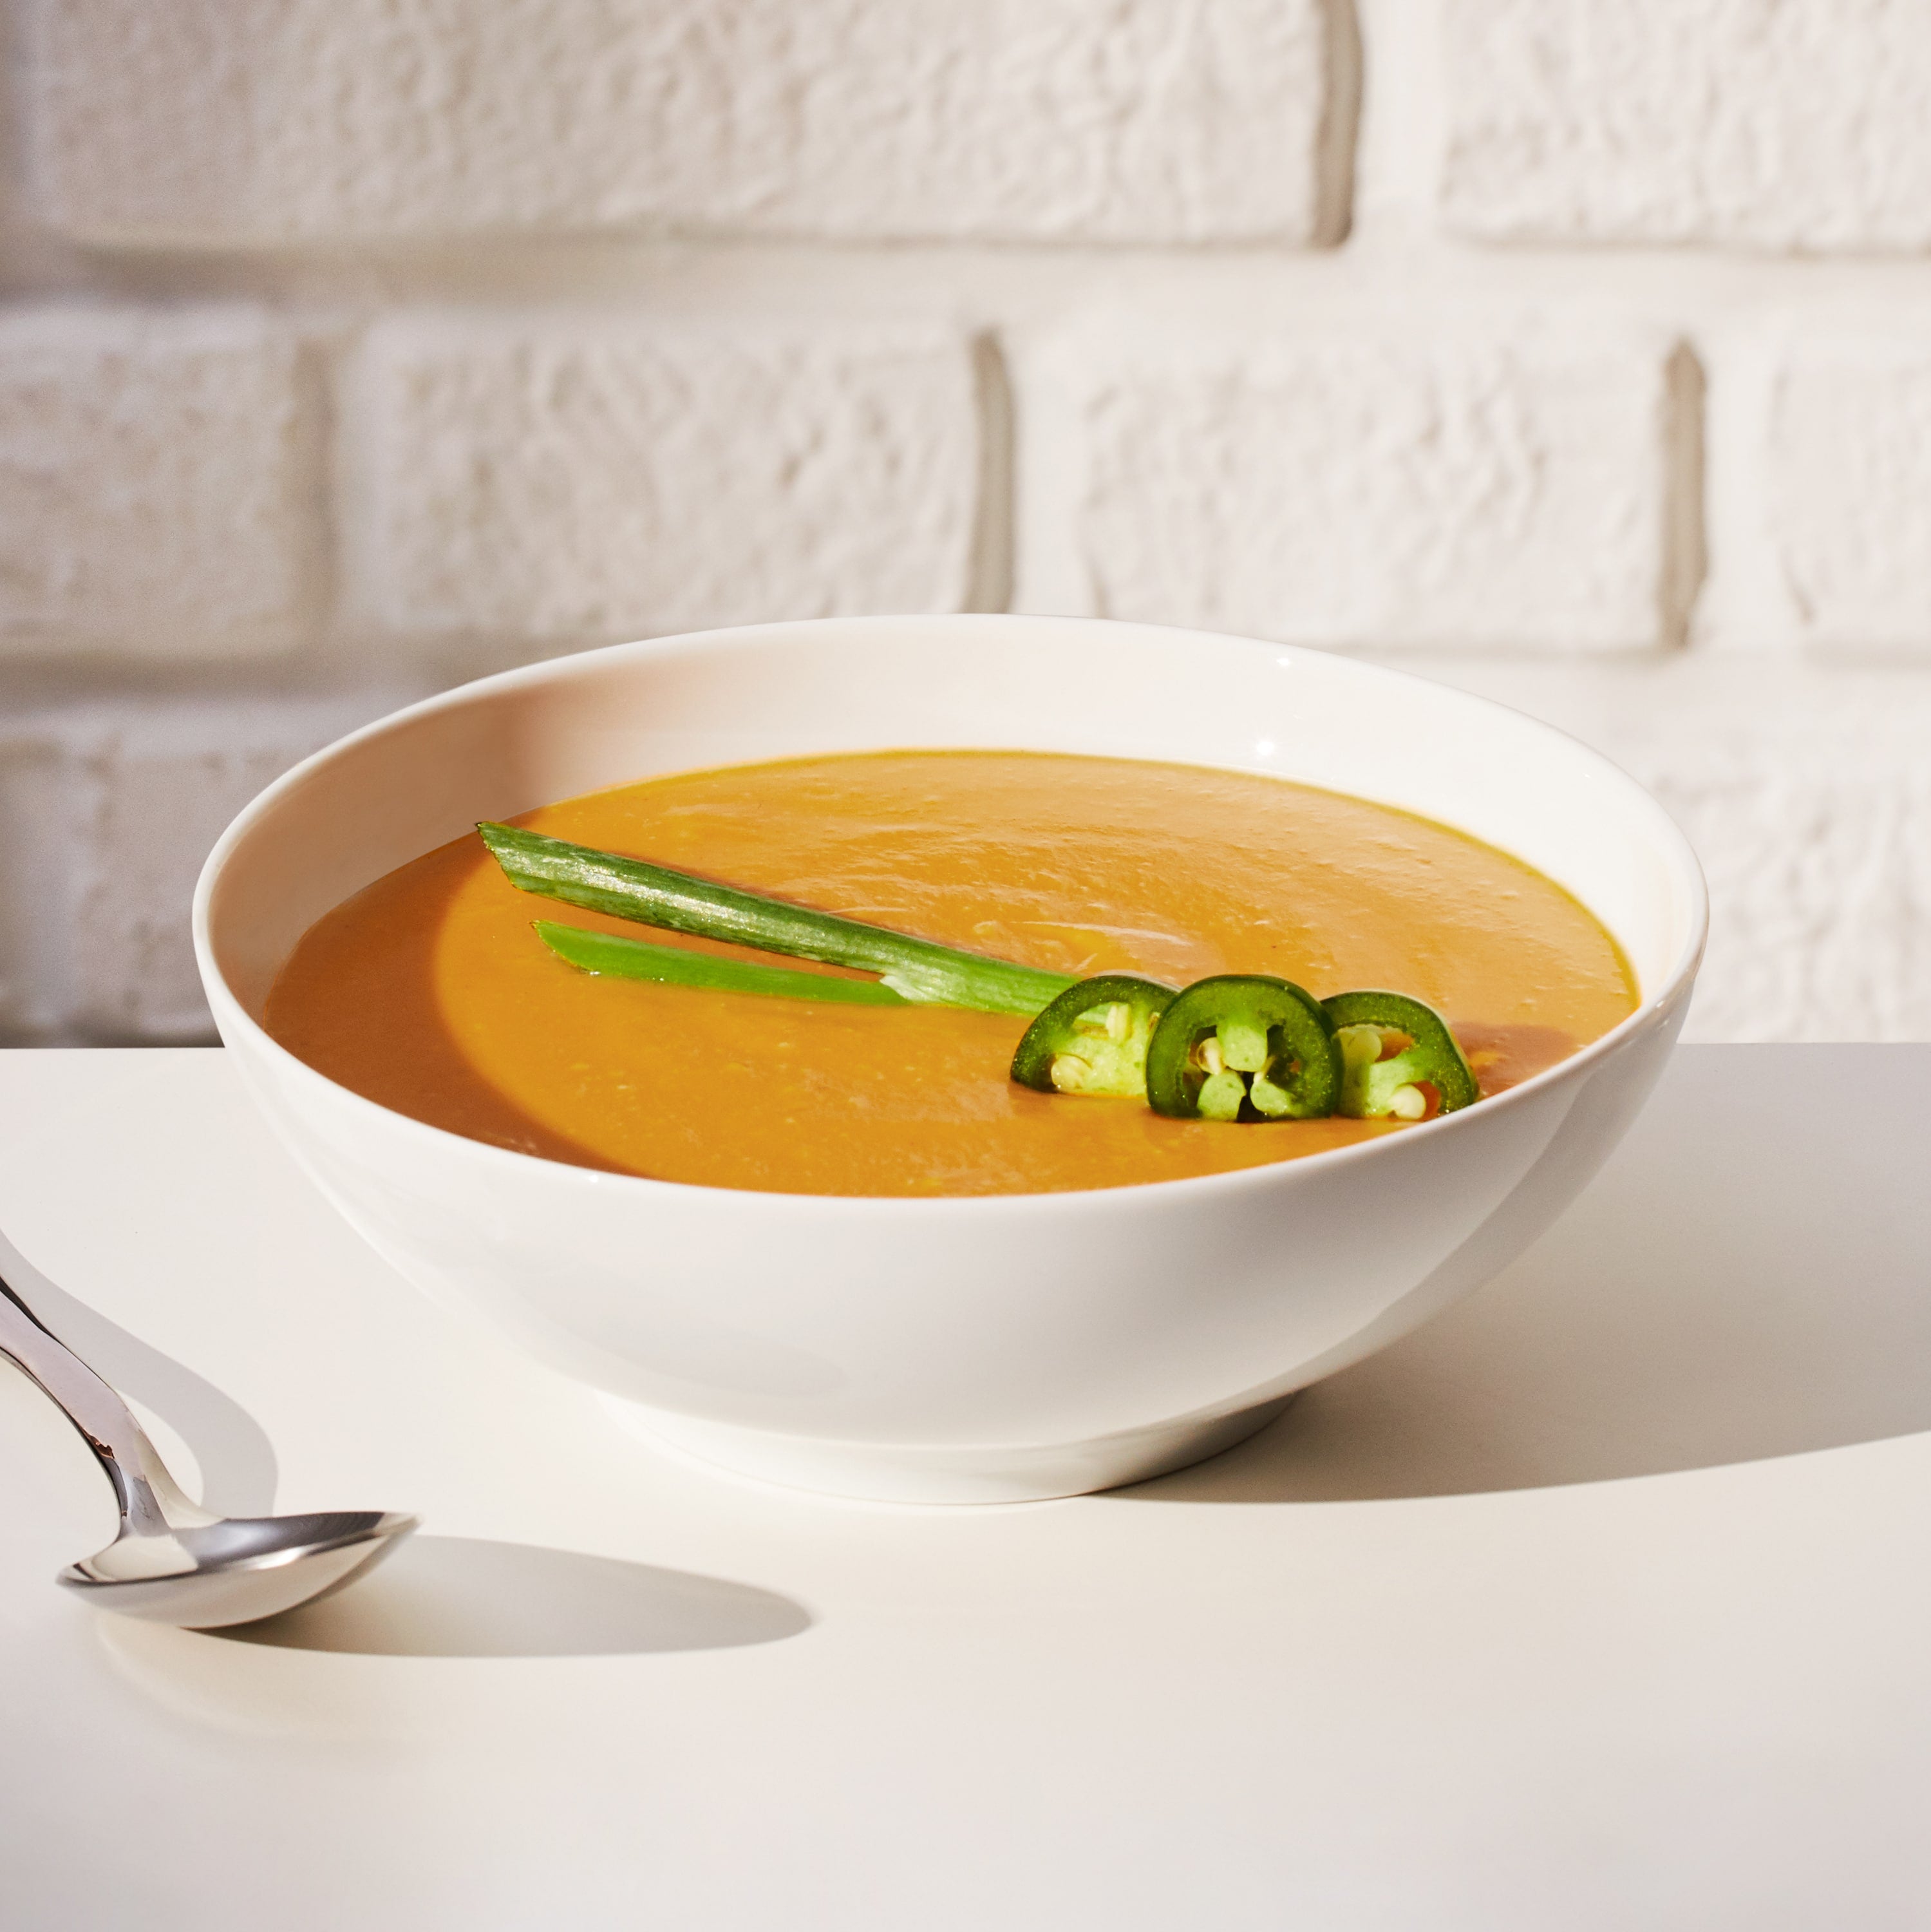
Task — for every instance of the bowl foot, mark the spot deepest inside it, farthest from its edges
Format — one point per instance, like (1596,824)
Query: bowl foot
(891,1473)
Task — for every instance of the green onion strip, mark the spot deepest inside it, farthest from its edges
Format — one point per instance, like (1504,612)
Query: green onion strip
(920,970)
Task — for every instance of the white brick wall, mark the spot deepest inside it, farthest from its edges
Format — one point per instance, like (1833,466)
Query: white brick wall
(349,348)
(108,810)
(151,483)
(1774,123)
(241,121)
(1850,471)
(561,480)
(1818,847)
(1403,491)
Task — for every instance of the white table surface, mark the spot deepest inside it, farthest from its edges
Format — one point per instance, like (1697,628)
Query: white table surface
(1604,1601)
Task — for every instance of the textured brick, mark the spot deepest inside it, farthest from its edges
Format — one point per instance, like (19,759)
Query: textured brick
(1850,492)
(1772,124)
(554,483)
(272,121)
(1366,492)
(34,954)
(151,483)
(107,812)
(1818,847)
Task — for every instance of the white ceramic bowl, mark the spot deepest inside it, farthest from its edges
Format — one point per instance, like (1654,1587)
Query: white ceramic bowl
(976,1349)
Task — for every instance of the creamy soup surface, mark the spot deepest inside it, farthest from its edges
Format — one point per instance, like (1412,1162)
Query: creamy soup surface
(428,992)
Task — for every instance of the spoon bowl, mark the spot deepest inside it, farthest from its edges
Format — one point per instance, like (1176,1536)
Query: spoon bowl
(235,1569)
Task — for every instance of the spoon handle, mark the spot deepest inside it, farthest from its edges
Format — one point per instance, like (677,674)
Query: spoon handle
(106,1424)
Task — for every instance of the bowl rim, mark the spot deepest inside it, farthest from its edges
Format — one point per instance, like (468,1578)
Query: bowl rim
(230,1014)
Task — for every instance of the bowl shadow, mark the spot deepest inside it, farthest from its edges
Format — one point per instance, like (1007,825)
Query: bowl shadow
(455,1596)
(1749,1276)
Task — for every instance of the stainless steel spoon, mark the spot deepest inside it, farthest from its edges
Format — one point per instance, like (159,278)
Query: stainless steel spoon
(173,1562)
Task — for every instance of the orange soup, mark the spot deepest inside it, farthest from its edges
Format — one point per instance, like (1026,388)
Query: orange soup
(428,992)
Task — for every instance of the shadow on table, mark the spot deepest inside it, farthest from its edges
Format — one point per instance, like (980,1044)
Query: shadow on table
(453,1596)
(1749,1276)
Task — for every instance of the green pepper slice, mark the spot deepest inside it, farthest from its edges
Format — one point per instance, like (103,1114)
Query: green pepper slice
(1366,1024)
(1243,1046)
(1093,1038)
